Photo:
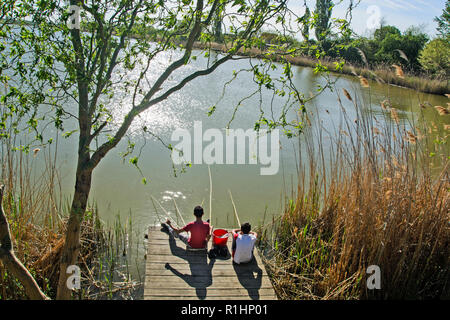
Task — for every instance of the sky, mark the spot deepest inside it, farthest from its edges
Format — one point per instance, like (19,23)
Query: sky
(400,13)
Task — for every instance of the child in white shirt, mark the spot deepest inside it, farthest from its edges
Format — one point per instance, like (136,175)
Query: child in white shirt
(243,243)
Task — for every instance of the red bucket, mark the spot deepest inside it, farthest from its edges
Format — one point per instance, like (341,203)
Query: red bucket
(220,237)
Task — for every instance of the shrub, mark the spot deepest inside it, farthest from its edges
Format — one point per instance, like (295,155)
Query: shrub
(435,57)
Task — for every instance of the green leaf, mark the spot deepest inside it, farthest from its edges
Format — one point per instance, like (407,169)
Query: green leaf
(134,161)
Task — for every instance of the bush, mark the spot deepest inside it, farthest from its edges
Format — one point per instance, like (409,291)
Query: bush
(435,58)
(388,46)
(278,39)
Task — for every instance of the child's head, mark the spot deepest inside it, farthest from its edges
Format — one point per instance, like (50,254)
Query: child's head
(198,211)
(245,228)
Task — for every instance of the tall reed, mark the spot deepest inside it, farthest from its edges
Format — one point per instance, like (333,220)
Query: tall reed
(35,210)
(380,197)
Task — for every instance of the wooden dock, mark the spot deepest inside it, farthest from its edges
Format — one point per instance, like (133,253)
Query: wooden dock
(172,273)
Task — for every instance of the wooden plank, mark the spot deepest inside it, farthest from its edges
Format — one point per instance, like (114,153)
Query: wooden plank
(211,292)
(201,271)
(223,282)
(155,287)
(185,283)
(174,279)
(156,297)
(165,250)
(182,265)
(174,260)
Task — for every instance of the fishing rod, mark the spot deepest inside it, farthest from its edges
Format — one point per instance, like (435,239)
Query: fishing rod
(210,194)
(234,208)
(178,211)
(165,211)
(156,210)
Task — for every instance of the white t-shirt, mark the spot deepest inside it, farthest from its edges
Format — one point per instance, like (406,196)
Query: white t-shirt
(244,248)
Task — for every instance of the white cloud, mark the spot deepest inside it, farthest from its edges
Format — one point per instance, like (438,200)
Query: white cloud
(400,13)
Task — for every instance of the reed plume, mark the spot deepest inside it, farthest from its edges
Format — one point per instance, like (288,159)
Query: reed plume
(385,105)
(441,110)
(347,94)
(399,71)
(364,82)
(411,137)
(402,55)
(394,115)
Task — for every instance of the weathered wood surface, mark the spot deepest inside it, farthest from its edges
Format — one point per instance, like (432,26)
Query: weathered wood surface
(172,273)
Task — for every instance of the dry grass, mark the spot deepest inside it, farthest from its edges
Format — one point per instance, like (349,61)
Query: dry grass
(379,200)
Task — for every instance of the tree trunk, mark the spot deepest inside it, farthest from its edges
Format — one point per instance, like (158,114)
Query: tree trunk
(72,242)
(10,261)
(83,174)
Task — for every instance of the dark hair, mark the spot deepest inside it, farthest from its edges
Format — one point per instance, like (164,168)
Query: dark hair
(198,211)
(245,228)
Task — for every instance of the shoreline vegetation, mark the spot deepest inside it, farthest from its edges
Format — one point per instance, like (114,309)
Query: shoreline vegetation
(391,75)
(380,198)
(33,206)
(380,74)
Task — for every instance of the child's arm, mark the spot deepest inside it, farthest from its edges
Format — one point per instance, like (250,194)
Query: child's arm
(208,236)
(178,231)
(234,231)
(254,233)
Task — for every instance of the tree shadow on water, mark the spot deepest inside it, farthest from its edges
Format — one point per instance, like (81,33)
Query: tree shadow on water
(200,277)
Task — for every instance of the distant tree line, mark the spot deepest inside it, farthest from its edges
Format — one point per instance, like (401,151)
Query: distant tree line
(412,49)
